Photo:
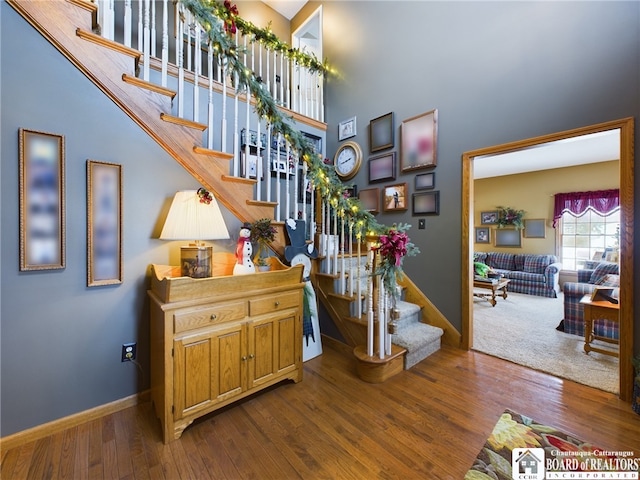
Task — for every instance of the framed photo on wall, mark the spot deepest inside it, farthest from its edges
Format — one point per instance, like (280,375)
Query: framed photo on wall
(419,136)
(347,129)
(535,228)
(42,200)
(381,133)
(425,181)
(508,237)
(382,167)
(483,235)
(370,199)
(489,218)
(104,223)
(426,203)
(395,197)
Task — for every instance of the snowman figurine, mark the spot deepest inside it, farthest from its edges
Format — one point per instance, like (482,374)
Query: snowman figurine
(244,252)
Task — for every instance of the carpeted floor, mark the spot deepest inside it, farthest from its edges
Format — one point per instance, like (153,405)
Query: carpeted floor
(522,329)
(519,447)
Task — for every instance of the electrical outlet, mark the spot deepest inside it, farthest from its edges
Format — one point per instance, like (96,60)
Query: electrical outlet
(421,224)
(128,352)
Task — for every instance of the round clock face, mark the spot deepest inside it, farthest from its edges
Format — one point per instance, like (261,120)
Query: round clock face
(348,160)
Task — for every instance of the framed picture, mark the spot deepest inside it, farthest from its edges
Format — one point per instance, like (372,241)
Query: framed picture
(535,228)
(42,196)
(489,218)
(483,235)
(381,133)
(419,137)
(352,192)
(395,197)
(370,199)
(347,129)
(508,237)
(315,141)
(425,181)
(250,166)
(382,168)
(426,203)
(104,223)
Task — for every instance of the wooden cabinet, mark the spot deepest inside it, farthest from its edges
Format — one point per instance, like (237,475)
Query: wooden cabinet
(216,340)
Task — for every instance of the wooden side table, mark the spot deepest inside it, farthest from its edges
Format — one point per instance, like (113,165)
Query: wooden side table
(595,310)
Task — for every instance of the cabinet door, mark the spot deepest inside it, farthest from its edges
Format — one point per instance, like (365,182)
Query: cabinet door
(275,346)
(209,368)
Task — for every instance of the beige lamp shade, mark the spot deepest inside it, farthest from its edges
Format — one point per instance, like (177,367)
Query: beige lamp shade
(191,219)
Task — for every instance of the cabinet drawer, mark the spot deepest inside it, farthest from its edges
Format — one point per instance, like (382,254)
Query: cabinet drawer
(274,303)
(201,317)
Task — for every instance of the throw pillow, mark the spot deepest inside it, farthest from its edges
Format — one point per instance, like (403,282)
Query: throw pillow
(603,269)
(536,263)
(609,280)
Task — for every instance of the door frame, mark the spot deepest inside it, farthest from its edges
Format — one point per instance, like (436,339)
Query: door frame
(626,127)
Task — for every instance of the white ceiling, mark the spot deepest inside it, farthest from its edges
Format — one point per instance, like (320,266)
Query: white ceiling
(593,148)
(286,8)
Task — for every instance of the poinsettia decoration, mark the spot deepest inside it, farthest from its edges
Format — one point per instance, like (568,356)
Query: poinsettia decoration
(510,216)
(394,246)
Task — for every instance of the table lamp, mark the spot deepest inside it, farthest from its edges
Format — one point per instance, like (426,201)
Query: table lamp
(195,216)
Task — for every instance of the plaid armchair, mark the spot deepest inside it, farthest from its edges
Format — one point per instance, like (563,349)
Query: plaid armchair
(605,274)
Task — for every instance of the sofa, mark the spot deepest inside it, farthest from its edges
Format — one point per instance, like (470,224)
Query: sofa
(603,274)
(529,273)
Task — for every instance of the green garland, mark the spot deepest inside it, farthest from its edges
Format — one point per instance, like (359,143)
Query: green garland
(217,19)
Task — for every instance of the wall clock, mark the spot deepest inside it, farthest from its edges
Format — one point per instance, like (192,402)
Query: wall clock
(348,160)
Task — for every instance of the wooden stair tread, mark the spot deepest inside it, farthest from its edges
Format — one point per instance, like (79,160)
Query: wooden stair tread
(213,153)
(118,47)
(183,121)
(149,85)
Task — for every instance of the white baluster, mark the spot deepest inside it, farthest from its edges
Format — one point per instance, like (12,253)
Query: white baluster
(287,162)
(268,161)
(224,103)
(259,161)
(381,317)
(197,59)
(180,55)
(236,154)
(147,40)
(127,23)
(370,318)
(281,102)
(165,41)
(351,268)
(343,286)
(153,29)
(139,46)
(336,243)
(210,104)
(359,284)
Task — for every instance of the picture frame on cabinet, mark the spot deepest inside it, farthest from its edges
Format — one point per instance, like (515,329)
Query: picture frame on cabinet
(42,200)
(419,141)
(382,167)
(370,199)
(425,181)
(104,223)
(426,203)
(381,133)
(395,197)
(347,129)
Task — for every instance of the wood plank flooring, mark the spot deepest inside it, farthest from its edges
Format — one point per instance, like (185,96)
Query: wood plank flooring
(426,423)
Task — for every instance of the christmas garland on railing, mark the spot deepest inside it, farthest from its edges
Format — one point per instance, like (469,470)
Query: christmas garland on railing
(219,21)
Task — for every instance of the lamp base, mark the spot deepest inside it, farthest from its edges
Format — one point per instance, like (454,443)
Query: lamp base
(195,261)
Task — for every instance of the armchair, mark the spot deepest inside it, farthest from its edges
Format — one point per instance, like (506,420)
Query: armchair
(604,274)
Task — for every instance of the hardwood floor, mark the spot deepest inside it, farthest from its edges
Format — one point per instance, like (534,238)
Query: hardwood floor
(429,423)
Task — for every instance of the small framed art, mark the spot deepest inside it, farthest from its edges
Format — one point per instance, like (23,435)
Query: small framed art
(347,129)
(534,228)
(425,181)
(381,133)
(426,203)
(104,223)
(508,237)
(42,198)
(395,197)
(370,199)
(489,218)
(419,137)
(483,235)
(382,167)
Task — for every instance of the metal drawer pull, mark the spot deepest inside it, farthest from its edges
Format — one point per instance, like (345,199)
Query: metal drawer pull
(252,356)
(277,303)
(213,316)
(244,359)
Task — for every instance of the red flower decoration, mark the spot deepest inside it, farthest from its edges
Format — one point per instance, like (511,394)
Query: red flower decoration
(205,196)
(230,23)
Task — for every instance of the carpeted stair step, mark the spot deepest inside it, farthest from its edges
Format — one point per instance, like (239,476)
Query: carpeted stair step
(409,314)
(420,340)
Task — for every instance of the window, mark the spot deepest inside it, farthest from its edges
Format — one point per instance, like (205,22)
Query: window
(581,238)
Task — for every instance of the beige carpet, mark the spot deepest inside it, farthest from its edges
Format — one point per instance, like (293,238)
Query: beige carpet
(522,329)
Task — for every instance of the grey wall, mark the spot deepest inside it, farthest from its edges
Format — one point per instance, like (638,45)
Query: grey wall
(497,72)
(61,340)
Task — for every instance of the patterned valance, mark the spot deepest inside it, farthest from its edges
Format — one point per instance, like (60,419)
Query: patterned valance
(577,203)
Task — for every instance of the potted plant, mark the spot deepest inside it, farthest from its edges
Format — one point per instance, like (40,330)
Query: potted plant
(262,234)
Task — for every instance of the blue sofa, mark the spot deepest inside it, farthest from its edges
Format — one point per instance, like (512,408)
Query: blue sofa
(604,274)
(529,273)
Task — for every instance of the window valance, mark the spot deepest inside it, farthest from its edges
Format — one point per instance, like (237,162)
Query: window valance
(577,203)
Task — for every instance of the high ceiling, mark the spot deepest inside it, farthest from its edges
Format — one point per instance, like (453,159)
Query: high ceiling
(286,8)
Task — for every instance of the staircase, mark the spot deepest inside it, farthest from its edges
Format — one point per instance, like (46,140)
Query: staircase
(70,25)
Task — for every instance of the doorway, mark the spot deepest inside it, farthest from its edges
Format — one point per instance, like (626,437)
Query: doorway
(626,127)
